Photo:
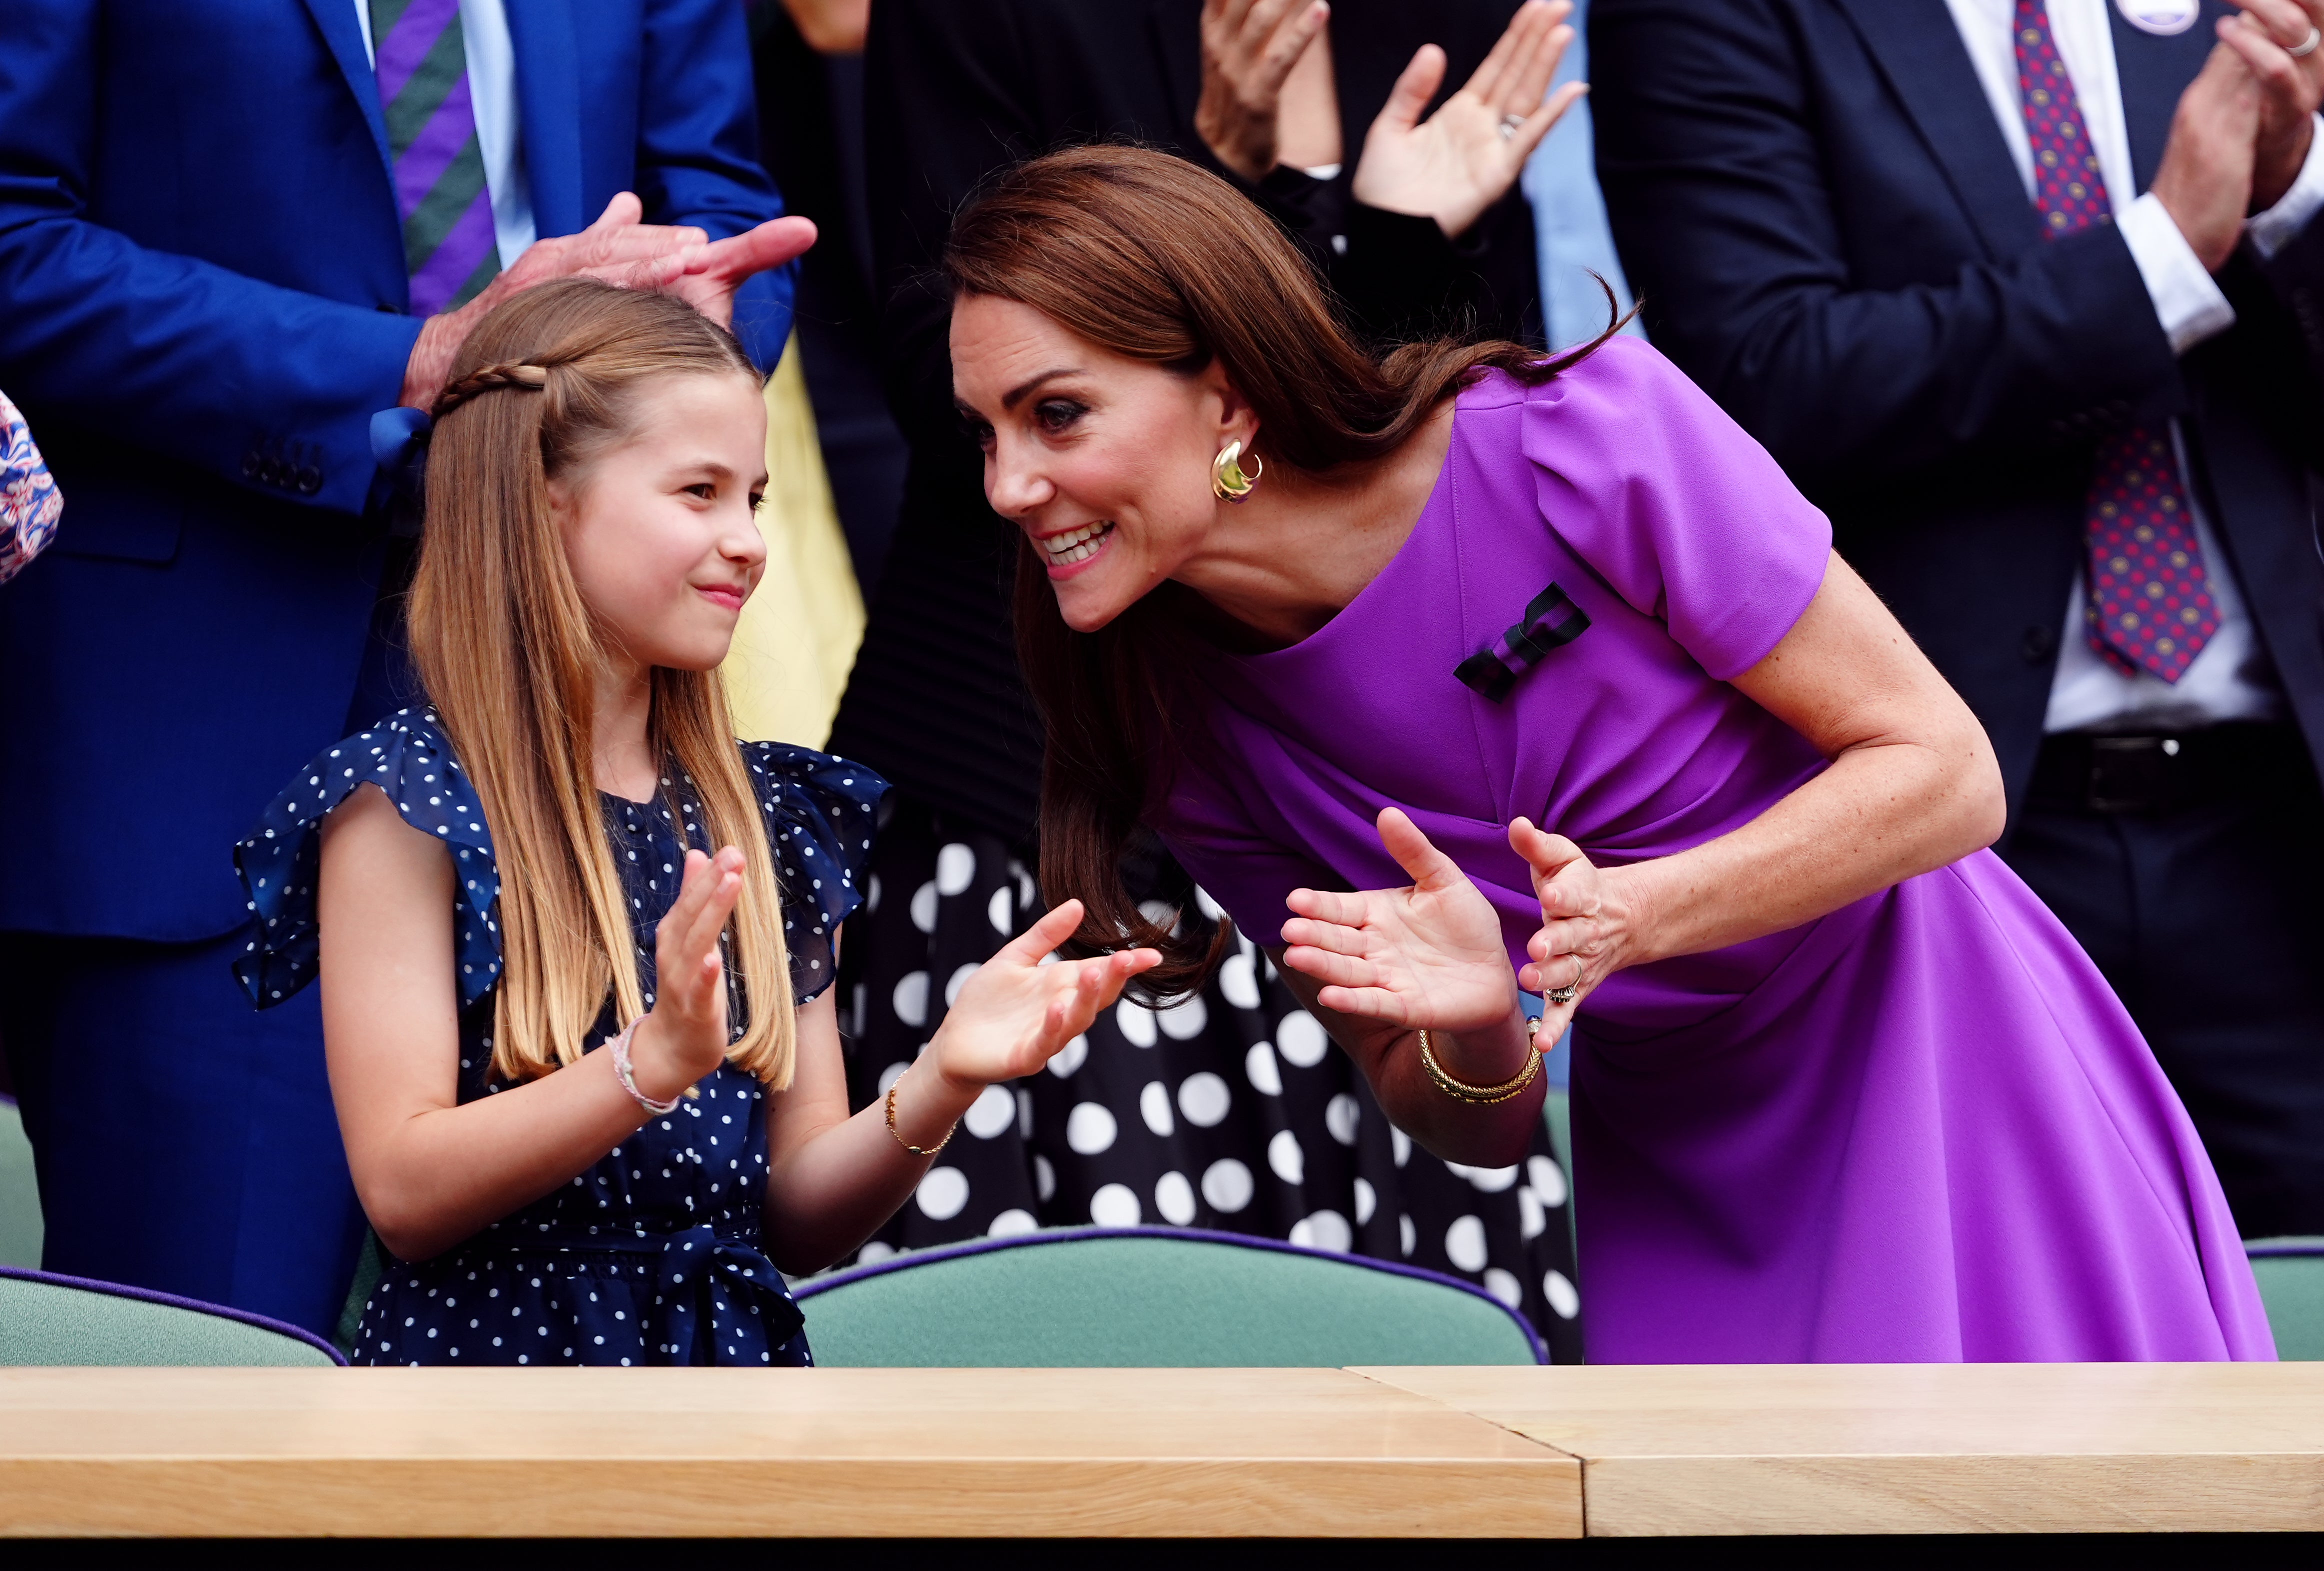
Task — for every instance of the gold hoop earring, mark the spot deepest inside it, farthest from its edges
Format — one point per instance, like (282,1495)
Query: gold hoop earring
(1228,481)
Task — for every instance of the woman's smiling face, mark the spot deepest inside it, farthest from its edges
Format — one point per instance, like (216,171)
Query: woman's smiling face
(1103,461)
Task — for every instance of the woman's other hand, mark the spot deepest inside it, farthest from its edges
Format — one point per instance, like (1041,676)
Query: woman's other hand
(1590,925)
(1020,1008)
(1249,48)
(1428,955)
(1467,155)
(684,1036)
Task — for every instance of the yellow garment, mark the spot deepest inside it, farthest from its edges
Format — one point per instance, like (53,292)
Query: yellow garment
(800,629)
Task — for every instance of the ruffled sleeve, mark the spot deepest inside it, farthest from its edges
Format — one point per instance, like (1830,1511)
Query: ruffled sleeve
(820,815)
(408,757)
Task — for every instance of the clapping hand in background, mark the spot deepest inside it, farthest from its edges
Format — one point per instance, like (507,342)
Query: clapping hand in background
(1450,167)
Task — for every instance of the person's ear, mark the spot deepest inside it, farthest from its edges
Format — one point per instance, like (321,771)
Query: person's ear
(561,503)
(1238,421)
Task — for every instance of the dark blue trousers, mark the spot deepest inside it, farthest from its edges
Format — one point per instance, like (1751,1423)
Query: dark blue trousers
(2205,917)
(184,1140)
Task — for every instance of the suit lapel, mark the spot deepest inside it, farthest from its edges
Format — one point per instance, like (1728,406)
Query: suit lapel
(543,36)
(344,33)
(2154,71)
(1920,53)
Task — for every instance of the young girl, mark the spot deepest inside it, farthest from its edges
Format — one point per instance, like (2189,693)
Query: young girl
(576,947)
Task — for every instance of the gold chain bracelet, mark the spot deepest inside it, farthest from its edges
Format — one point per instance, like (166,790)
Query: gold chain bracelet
(1484,1096)
(899,1134)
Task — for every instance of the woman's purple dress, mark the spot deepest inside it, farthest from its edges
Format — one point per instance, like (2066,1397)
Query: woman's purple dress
(1920,1128)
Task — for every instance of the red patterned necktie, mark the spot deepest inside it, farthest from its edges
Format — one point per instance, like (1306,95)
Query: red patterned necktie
(2150,604)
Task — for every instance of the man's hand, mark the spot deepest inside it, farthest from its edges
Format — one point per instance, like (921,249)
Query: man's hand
(1467,155)
(1249,48)
(2205,182)
(2291,87)
(619,250)
(705,277)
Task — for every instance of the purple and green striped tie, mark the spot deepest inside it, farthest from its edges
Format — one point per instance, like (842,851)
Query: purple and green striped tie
(423,64)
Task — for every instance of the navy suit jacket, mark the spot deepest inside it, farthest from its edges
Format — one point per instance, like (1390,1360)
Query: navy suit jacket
(205,302)
(1816,205)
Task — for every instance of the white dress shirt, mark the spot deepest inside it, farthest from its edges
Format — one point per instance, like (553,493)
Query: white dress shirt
(2230,680)
(491,95)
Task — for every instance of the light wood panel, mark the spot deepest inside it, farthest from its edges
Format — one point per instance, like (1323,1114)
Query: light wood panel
(761,1452)
(1919,1448)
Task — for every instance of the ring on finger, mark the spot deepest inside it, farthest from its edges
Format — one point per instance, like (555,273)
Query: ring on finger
(1564,995)
(1511,123)
(2307,46)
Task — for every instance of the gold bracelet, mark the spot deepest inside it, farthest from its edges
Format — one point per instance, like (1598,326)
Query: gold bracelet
(1484,1096)
(899,1134)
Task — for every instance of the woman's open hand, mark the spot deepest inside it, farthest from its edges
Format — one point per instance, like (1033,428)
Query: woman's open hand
(1428,955)
(684,1036)
(1589,926)
(1468,154)
(1020,1008)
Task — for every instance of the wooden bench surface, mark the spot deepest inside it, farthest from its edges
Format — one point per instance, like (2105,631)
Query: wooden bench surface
(1502,1453)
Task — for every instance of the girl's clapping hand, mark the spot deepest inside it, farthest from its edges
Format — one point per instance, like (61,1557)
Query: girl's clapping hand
(1015,1011)
(684,1036)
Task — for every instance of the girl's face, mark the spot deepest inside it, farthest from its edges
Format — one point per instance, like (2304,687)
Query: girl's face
(1105,462)
(659,528)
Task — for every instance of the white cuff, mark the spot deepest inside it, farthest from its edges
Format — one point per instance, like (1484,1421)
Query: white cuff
(2270,230)
(2187,302)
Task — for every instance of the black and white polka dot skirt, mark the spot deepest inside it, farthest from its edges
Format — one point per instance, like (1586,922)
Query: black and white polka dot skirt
(1232,1112)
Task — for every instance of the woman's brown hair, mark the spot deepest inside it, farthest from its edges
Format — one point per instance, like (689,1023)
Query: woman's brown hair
(509,653)
(1145,255)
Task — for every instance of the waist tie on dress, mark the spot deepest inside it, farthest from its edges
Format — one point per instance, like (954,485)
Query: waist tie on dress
(688,1264)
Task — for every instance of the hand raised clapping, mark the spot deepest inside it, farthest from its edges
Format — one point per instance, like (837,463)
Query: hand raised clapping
(683,1036)
(1466,156)
(1015,1012)
(1428,955)
(1249,48)
(1590,925)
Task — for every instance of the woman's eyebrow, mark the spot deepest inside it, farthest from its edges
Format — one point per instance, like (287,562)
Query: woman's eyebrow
(1017,394)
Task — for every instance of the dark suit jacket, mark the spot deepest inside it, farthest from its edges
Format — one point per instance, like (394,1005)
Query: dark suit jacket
(1815,203)
(202,303)
(958,88)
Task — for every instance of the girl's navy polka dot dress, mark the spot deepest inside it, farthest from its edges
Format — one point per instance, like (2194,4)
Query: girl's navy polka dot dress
(651,1256)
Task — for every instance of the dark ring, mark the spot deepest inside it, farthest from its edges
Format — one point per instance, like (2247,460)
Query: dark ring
(1562,994)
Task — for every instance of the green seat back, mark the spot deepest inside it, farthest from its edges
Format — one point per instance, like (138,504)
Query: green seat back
(1151,1297)
(20,1193)
(62,1321)
(2291,1272)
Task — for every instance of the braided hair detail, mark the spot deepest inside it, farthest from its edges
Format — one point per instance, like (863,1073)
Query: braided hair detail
(530,378)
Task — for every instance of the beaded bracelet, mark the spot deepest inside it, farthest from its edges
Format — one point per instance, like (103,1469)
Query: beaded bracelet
(622,1072)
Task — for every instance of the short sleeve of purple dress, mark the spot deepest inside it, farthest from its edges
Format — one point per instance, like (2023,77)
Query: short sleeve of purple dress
(1920,1128)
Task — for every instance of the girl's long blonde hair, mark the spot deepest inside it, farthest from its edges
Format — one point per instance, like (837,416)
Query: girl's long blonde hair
(509,653)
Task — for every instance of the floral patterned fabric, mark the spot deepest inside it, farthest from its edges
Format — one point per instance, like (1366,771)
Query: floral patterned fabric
(30,502)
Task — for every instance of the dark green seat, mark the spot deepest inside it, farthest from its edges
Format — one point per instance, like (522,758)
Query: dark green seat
(47,1319)
(2291,1273)
(1151,1298)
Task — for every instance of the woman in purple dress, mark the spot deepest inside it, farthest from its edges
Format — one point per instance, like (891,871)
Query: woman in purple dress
(1344,633)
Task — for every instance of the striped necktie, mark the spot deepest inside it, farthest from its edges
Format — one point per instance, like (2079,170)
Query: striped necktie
(2150,605)
(423,64)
